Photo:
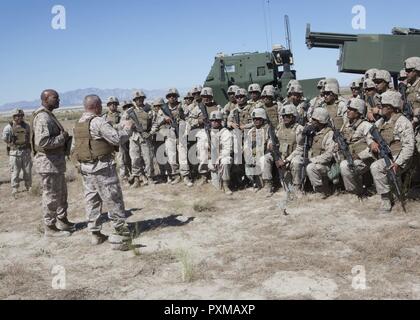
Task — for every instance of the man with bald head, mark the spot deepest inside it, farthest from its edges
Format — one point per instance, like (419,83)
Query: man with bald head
(94,144)
(49,141)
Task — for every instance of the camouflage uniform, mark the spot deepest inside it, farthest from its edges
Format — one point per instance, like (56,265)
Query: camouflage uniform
(100,179)
(358,139)
(167,135)
(202,140)
(337,109)
(321,155)
(398,133)
(123,156)
(49,143)
(17,138)
(413,94)
(258,159)
(221,159)
(140,144)
(291,148)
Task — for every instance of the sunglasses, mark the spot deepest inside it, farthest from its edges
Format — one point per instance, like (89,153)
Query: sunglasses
(171,96)
(378,81)
(328,93)
(409,70)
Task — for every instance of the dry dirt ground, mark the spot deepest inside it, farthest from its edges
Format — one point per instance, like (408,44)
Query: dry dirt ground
(200,244)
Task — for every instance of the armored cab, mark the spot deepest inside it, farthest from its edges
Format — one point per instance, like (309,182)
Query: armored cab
(268,68)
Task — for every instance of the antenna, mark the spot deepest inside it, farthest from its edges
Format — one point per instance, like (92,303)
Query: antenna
(287,30)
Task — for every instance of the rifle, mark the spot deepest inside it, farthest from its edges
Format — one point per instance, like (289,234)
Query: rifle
(167,112)
(237,117)
(407,107)
(207,125)
(385,153)
(372,103)
(276,153)
(362,94)
(131,114)
(302,120)
(309,133)
(344,147)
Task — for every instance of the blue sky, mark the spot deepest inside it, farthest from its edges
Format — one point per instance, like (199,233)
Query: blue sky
(158,44)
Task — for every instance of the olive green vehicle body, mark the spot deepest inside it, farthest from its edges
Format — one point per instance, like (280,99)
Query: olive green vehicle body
(360,52)
(243,69)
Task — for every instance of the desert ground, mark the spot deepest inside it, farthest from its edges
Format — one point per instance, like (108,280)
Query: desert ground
(200,244)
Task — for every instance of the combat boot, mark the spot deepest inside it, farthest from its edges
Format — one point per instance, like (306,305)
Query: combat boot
(176,180)
(97,238)
(386,204)
(227,189)
(53,232)
(324,190)
(202,181)
(120,239)
(145,180)
(14,192)
(65,225)
(136,183)
(188,182)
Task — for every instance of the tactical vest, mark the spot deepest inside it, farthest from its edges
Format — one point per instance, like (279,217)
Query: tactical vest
(272,115)
(21,138)
(287,139)
(387,132)
(87,149)
(252,104)
(213,107)
(332,110)
(244,115)
(413,94)
(113,117)
(355,146)
(37,148)
(229,107)
(317,148)
(143,118)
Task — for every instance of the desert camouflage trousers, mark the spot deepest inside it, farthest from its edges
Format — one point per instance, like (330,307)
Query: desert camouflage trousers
(293,176)
(124,160)
(353,180)
(54,197)
(103,188)
(263,167)
(141,155)
(21,162)
(220,172)
(378,170)
(317,174)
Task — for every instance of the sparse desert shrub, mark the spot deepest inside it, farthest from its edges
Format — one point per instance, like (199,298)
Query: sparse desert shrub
(187,266)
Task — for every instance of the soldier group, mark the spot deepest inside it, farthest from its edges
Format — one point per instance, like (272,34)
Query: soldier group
(257,140)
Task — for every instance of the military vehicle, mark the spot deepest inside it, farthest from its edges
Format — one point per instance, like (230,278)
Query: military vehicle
(268,68)
(360,52)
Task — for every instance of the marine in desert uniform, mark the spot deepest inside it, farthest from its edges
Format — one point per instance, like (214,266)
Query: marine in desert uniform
(94,144)
(50,142)
(16,134)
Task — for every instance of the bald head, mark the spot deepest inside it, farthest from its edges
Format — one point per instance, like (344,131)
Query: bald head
(93,104)
(50,99)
